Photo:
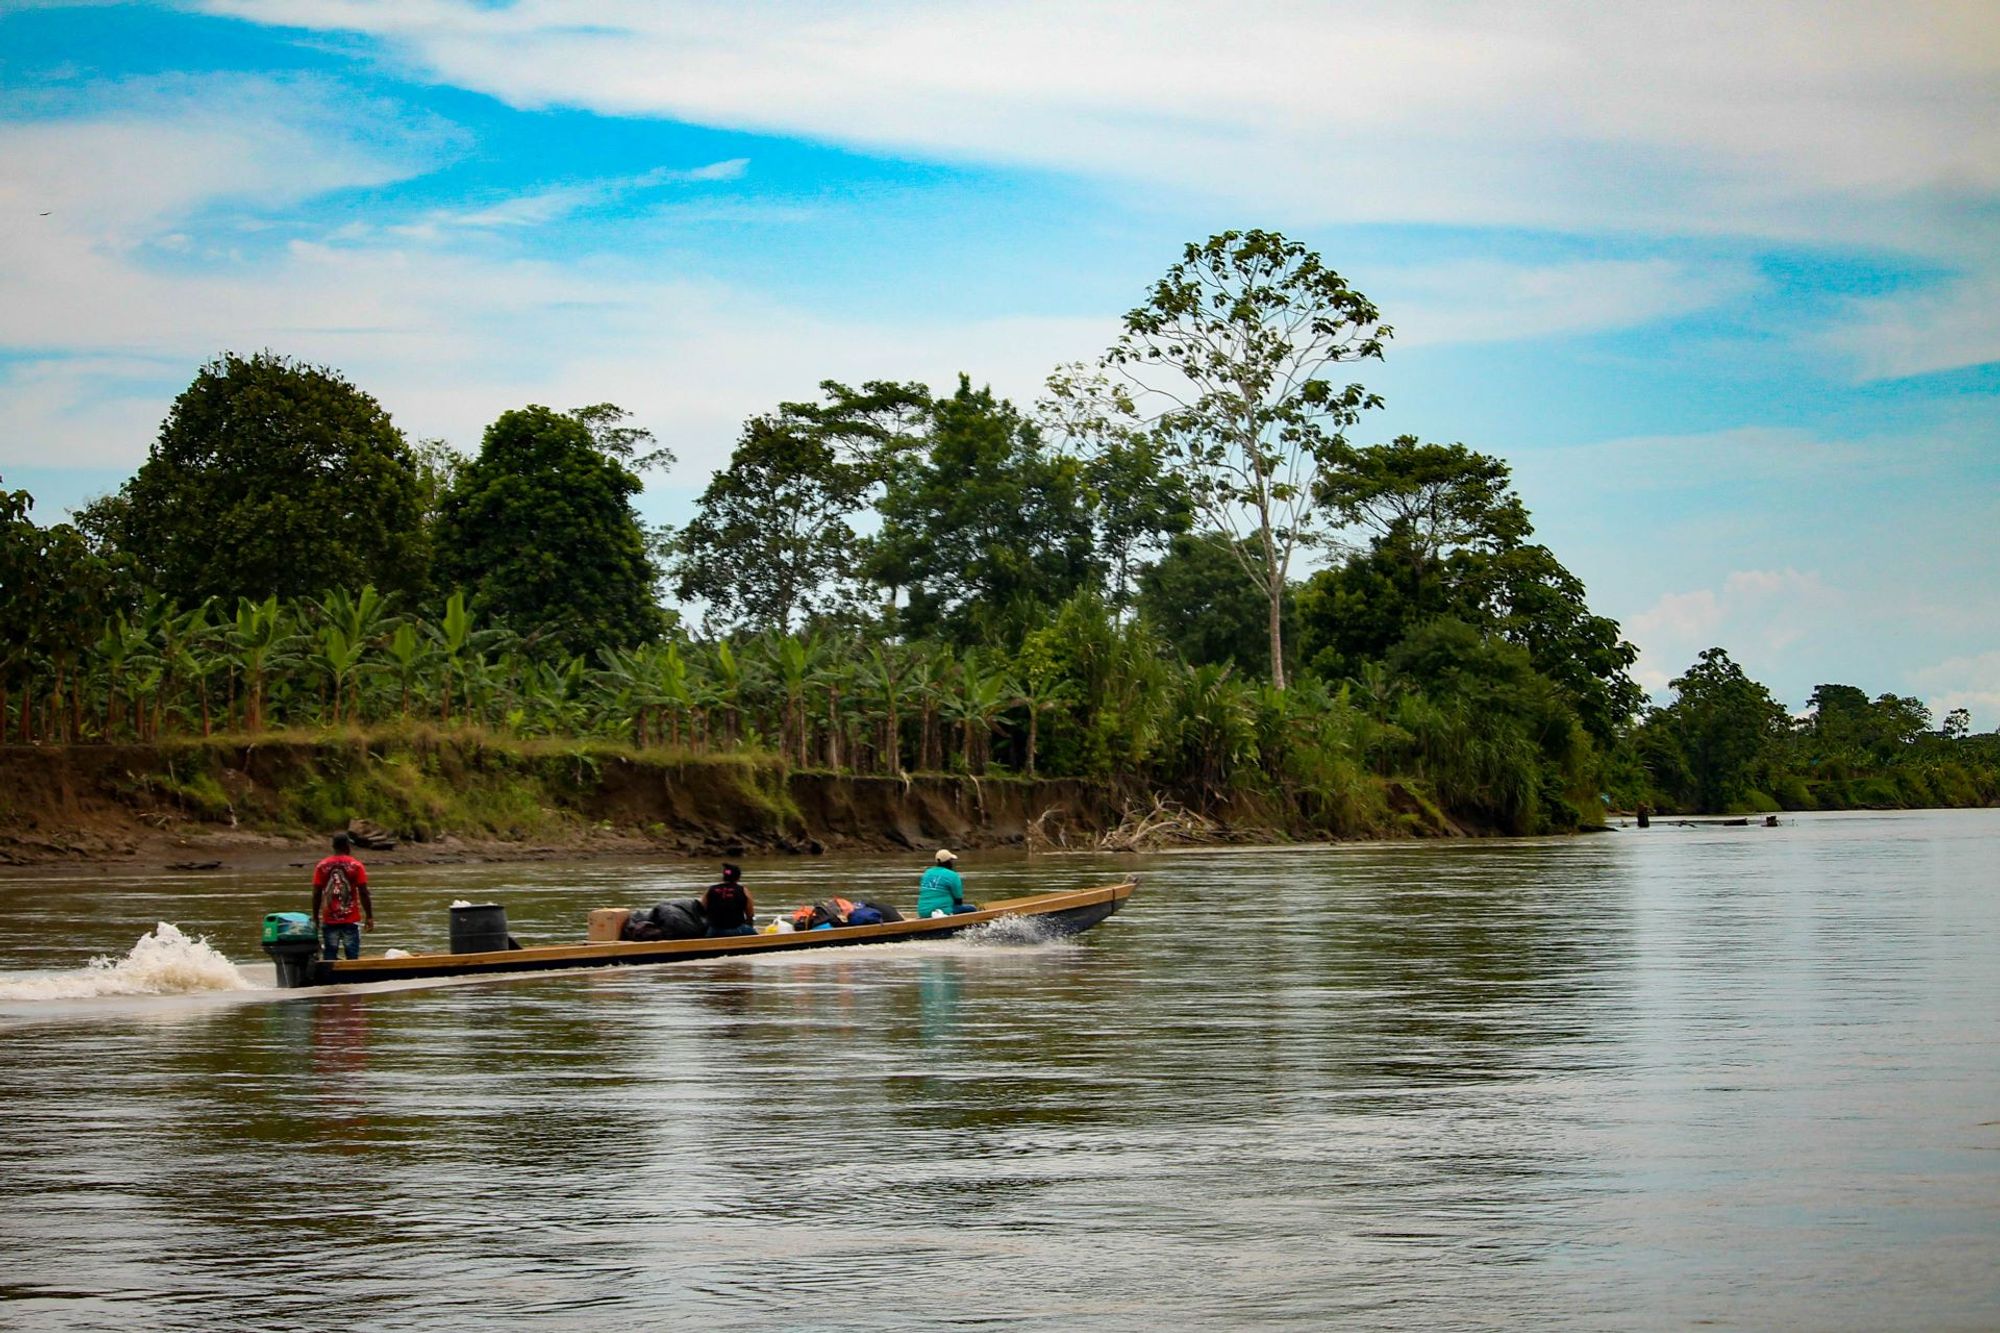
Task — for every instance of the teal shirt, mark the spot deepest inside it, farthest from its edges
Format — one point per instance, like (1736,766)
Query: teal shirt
(940,888)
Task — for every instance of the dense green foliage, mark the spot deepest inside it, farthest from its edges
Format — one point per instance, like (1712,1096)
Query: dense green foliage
(1226,365)
(272,477)
(895,581)
(540,527)
(1725,745)
(1198,600)
(773,540)
(985,529)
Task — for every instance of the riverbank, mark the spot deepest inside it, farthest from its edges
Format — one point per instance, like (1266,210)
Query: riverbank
(464,796)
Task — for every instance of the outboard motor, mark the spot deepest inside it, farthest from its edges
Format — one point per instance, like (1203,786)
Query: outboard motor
(293,943)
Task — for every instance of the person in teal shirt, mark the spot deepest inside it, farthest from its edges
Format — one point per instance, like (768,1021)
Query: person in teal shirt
(941,890)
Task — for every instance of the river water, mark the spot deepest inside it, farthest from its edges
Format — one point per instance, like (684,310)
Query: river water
(1743,1077)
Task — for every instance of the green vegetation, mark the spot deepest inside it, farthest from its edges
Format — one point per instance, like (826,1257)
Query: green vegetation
(540,527)
(425,781)
(272,477)
(1725,745)
(889,582)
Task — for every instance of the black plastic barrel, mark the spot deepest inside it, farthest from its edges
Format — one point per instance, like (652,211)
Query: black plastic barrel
(479,928)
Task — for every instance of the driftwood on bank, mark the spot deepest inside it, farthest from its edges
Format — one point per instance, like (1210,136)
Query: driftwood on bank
(370,836)
(1167,824)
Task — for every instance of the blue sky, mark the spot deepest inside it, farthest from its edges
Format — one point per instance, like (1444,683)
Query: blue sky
(1720,281)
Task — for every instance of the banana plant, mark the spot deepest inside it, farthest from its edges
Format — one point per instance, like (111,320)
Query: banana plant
(834,674)
(189,654)
(120,642)
(885,671)
(407,656)
(339,659)
(671,688)
(1040,690)
(260,641)
(982,696)
(795,658)
(929,676)
(725,671)
(460,644)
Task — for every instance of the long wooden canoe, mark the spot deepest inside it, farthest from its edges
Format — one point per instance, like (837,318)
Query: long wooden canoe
(1063,913)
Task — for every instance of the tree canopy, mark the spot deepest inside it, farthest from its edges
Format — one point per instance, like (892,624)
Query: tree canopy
(1449,538)
(1197,600)
(271,476)
(1226,364)
(895,580)
(1711,736)
(540,528)
(772,540)
(986,530)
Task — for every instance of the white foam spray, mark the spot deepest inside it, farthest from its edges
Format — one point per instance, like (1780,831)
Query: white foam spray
(164,962)
(1012,931)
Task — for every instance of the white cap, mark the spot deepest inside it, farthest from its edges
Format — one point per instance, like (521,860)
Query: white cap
(945,857)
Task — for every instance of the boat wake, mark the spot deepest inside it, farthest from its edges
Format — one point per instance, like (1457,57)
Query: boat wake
(164,962)
(1012,932)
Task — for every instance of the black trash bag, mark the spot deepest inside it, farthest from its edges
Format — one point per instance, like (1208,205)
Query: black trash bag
(676,919)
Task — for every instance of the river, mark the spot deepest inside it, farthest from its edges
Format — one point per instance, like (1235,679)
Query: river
(1743,1077)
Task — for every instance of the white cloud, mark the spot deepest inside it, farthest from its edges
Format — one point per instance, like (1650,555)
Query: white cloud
(447,341)
(1970,681)
(1680,116)
(731,170)
(1874,123)
(161,149)
(1944,327)
(551,205)
(111,302)
(1487,301)
(1758,614)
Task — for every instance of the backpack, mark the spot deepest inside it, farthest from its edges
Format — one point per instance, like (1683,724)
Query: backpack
(832,912)
(337,902)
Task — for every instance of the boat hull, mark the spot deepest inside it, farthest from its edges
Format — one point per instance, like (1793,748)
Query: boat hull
(1059,913)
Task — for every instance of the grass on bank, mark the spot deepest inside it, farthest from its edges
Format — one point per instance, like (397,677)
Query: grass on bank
(426,782)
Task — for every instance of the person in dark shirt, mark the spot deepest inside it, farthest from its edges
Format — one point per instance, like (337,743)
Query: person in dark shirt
(727,905)
(340,900)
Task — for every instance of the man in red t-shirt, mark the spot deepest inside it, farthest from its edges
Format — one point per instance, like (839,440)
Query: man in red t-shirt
(340,900)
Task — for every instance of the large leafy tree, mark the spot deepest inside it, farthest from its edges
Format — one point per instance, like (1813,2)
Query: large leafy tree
(1449,537)
(55,593)
(1227,365)
(540,528)
(1422,502)
(988,531)
(271,476)
(1722,723)
(1139,503)
(1846,727)
(1196,600)
(772,540)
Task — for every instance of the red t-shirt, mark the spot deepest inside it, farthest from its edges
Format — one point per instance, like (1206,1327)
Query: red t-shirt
(331,913)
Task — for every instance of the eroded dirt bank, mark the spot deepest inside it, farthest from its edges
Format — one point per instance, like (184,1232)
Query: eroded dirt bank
(454,797)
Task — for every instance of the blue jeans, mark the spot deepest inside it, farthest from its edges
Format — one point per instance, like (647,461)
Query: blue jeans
(723,932)
(332,937)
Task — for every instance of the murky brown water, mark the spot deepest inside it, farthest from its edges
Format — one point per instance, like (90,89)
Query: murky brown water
(1641,1080)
